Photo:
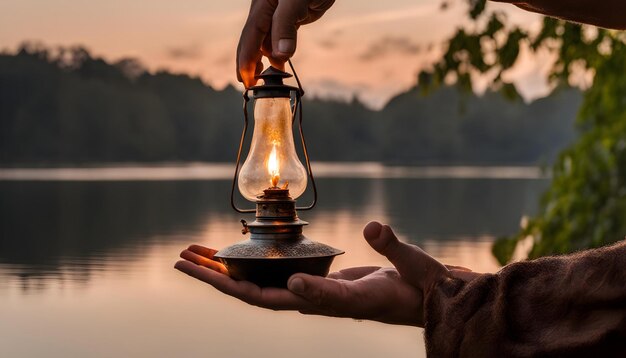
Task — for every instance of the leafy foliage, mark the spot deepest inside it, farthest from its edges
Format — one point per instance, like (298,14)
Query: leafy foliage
(585,205)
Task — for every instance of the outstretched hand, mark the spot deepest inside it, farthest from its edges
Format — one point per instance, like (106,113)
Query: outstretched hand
(389,295)
(271,31)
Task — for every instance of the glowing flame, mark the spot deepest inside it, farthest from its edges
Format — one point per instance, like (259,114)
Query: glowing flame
(273,167)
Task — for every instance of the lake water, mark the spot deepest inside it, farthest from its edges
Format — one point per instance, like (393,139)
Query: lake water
(86,264)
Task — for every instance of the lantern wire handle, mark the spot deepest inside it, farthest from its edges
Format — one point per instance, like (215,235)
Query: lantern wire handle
(246,99)
(297,110)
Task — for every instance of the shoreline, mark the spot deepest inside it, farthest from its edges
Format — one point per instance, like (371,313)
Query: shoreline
(224,171)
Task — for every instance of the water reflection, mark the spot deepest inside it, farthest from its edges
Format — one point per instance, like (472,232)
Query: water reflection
(86,267)
(446,209)
(68,230)
(56,228)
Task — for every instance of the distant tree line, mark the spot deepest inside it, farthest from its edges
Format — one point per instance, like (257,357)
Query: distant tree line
(64,107)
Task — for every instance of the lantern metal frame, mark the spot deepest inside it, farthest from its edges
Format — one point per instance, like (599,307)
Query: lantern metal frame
(296,110)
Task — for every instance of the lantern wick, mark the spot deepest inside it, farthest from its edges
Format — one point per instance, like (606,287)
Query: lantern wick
(274,181)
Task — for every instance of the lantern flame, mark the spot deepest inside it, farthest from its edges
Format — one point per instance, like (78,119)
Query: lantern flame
(273,167)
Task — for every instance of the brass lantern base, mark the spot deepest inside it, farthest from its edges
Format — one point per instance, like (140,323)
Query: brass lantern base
(270,263)
(276,248)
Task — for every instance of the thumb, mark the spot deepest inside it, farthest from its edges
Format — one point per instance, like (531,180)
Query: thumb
(414,265)
(285,27)
(327,295)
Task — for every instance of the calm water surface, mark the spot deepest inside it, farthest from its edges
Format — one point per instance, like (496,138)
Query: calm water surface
(86,266)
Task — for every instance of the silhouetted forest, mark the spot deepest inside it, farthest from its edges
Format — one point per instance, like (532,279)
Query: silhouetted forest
(63,106)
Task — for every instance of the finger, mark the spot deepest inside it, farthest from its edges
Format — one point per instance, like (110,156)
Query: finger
(316,10)
(321,5)
(353,273)
(266,50)
(272,298)
(250,79)
(285,27)
(203,261)
(413,264)
(254,32)
(201,250)
(327,295)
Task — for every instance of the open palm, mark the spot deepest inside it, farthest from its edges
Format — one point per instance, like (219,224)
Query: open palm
(391,295)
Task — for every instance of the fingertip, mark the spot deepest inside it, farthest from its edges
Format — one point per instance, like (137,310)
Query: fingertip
(180,265)
(248,80)
(387,232)
(296,284)
(381,238)
(247,73)
(318,290)
(202,251)
(277,63)
(194,248)
(285,48)
(372,230)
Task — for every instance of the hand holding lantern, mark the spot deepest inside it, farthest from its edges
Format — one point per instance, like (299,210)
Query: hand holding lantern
(278,255)
(272,176)
(390,295)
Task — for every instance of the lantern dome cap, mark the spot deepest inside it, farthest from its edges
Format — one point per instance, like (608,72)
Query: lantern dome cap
(273,85)
(272,75)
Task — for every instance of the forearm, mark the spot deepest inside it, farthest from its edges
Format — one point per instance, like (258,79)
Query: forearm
(604,13)
(554,306)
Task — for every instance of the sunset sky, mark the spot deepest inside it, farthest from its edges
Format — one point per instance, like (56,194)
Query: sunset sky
(370,48)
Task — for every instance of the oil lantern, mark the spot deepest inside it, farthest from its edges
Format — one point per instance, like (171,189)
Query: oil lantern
(273,177)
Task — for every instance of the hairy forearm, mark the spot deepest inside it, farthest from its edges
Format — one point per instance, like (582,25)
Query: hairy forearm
(604,13)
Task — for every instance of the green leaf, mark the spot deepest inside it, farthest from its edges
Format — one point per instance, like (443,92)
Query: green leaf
(477,7)
(508,53)
(494,25)
(509,91)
